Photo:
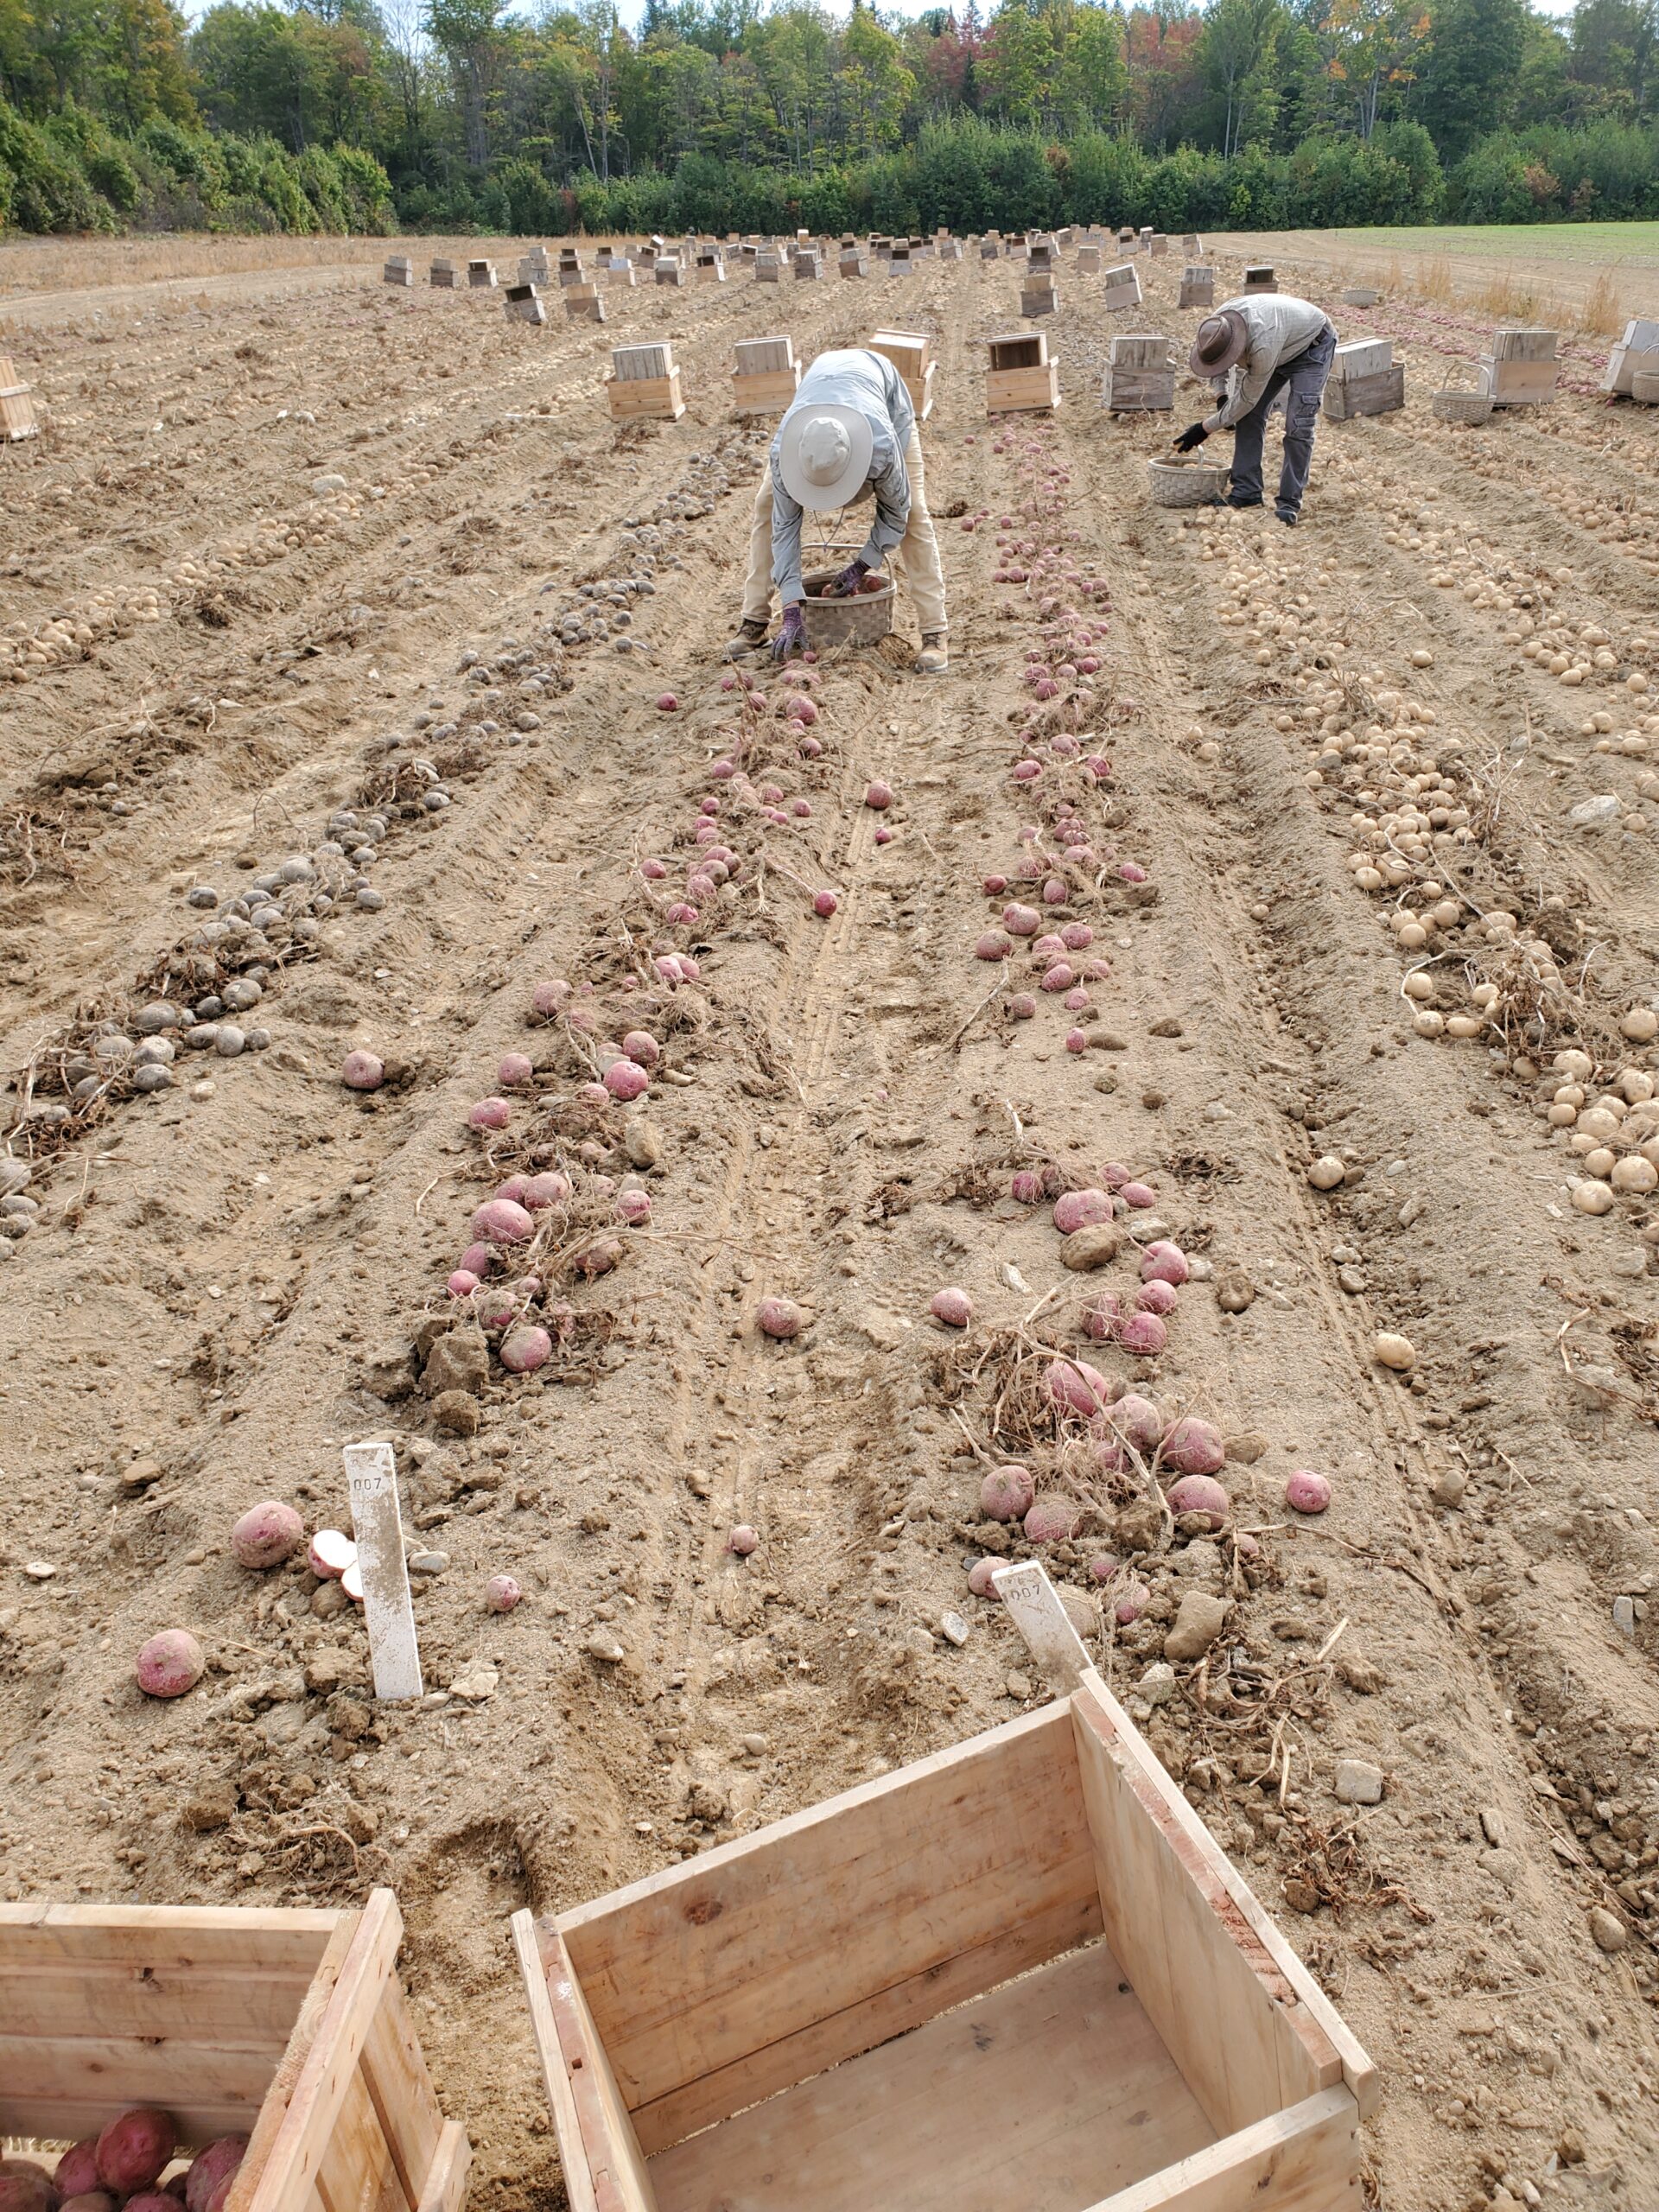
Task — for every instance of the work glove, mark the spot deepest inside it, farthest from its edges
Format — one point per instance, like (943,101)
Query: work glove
(1194,435)
(791,638)
(847,583)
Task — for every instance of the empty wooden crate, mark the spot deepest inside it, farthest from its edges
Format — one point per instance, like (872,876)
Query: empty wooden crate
(398,270)
(1139,373)
(582,303)
(480,276)
(1019,374)
(16,407)
(1258,277)
(443,275)
(911,353)
(644,382)
(1019,1976)
(1521,368)
(767,376)
(1122,286)
(289,2027)
(1365,379)
(1198,286)
(523,303)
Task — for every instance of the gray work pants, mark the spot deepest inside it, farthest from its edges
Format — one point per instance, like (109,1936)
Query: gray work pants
(1302,381)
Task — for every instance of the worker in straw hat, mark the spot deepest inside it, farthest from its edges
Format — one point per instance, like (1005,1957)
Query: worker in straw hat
(1251,351)
(849,436)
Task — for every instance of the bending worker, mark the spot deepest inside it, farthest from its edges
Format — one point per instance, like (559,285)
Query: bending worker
(850,435)
(1252,350)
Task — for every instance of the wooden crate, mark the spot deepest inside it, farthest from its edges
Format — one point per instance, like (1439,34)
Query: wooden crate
(1258,277)
(767,376)
(1021,376)
(808,267)
(584,304)
(443,275)
(634,399)
(290,2027)
(1157,244)
(667,268)
(1126,390)
(852,264)
(1034,1925)
(397,269)
(1517,382)
(17,408)
(1088,261)
(910,352)
(1382,391)
(480,276)
(1123,287)
(522,304)
(1041,298)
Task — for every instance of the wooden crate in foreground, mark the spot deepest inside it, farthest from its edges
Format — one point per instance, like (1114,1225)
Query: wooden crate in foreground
(1019,1976)
(1020,375)
(290,2027)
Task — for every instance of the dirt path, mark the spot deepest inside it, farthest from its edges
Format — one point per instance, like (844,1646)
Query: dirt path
(225,1286)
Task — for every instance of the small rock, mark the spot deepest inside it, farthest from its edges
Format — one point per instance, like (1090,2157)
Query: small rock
(605,1648)
(954,1628)
(1094,1247)
(1200,1561)
(643,1141)
(1359,1674)
(1491,1826)
(756,1746)
(1300,1896)
(1358,1782)
(1448,1487)
(212,1808)
(1234,1290)
(40,1570)
(459,1360)
(1609,1930)
(1624,1616)
(476,1685)
(1157,1685)
(1394,1352)
(328,1600)
(1197,1624)
(457,1412)
(1018,1685)
(428,1562)
(326,1670)
(1245,1450)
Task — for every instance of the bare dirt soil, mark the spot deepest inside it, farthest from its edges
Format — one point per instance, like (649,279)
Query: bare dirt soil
(324,545)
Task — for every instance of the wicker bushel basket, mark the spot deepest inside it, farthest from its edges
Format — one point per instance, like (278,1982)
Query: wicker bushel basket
(864,620)
(1461,406)
(1181,482)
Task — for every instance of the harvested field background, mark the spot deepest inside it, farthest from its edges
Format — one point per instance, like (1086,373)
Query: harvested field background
(292,533)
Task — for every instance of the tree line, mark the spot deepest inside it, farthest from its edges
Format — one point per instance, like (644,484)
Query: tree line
(471,115)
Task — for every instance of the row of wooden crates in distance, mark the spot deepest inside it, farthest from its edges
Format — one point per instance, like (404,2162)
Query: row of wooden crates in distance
(1017,1976)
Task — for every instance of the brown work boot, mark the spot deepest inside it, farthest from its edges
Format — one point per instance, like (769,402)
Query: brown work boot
(751,636)
(933,659)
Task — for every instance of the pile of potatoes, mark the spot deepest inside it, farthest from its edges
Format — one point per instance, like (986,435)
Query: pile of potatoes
(133,2165)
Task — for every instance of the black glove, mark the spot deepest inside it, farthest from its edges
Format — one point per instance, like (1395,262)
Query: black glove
(1194,435)
(792,639)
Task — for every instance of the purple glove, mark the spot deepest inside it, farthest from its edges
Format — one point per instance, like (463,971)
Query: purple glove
(847,583)
(792,639)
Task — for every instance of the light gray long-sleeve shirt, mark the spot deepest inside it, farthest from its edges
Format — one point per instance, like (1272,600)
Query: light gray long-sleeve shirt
(870,382)
(1281,327)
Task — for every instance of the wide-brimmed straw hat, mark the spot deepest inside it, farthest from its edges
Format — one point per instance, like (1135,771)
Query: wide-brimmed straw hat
(1219,344)
(824,455)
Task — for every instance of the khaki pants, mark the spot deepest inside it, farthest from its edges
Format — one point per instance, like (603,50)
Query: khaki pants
(915,559)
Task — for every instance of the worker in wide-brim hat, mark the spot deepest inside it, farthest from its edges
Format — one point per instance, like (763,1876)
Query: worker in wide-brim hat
(849,436)
(1250,351)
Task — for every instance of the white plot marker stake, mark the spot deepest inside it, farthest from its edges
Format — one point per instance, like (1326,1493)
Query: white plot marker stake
(371,1477)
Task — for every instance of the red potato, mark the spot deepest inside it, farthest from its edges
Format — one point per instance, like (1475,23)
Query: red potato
(266,1534)
(214,2163)
(1052,1519)
(642,1047)
(778,1317)
(1194,1447)
(1006,1493)
(1140,1194)
(462,1283)
(515,1068)
(1200,1494)
(1078,1388)
(952,1307)
(90,2200)
(548,999)
(979,1578)
(1142,1334)
(1156,1297)
(502,1593)
(626,1080)
(879,795)
(490,1114)
(1075,1209)
(1307,1492)
(548,1189)
(329,1553)
(134,2150)
(1163,1261)
(352,1583)
(501,1221)
(77,2170)
(524,1350)
(153,2200)
(1027,1188)
(743,1540)
(25,2187)
(667,704)
(167,1666)
(362,1070)
(1137,1421)
(477,1260)
(825,904)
